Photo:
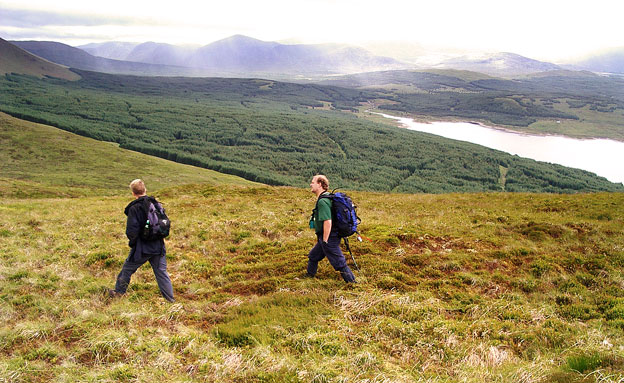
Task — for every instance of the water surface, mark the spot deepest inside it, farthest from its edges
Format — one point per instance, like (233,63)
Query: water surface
(601,156)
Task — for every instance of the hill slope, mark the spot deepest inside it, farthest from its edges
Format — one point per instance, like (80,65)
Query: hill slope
(454,288)
(270,132)
(16,60)
(39,160)
(79,59)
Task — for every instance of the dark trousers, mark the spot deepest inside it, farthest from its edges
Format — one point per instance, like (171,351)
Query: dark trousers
(334,255)
(159,265)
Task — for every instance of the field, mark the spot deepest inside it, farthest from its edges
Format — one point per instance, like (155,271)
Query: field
(483,287)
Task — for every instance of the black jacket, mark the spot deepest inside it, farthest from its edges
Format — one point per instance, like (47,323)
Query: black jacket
(137,215)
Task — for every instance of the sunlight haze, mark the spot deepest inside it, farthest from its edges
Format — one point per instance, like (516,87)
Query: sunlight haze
(553,31)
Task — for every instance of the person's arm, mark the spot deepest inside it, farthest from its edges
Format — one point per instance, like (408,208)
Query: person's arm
(132,228)
(327,224)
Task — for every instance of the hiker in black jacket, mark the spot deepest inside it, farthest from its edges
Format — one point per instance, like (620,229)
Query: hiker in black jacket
(141,250)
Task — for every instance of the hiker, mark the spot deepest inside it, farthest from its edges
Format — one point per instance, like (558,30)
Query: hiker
(328,241)
(142,250)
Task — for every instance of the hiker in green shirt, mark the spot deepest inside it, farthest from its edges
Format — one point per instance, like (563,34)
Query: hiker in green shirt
(328,241)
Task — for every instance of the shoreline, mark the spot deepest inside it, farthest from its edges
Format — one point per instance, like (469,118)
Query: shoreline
(595,155)
(429,120)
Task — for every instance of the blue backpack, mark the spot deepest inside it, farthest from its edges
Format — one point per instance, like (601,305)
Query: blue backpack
(344,216)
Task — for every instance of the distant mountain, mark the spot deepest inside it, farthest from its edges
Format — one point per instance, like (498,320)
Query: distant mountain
(498,64)
(111,50)
(242,54)
(609,62)
(77,58)
(247,54)
(16,60)
(162,54)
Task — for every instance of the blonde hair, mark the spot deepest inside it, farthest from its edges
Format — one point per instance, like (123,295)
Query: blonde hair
(138,187)
(322,180)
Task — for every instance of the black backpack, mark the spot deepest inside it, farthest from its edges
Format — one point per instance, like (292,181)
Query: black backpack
(157,225)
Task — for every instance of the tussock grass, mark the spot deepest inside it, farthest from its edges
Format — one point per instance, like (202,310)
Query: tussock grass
(453,288)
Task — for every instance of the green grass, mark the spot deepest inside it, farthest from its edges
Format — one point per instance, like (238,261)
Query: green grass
(591,123)
(453,287)
(485,287)
(38,161)
(457,287)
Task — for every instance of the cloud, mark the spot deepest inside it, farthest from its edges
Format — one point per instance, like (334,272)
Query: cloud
(20,18)
(58,34)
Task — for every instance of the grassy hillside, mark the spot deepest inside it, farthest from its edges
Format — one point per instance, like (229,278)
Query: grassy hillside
(453,288)
(269,132)
(16,60)
(41,161)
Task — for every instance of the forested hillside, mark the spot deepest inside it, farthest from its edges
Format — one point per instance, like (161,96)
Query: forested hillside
(44,162)
(276,133)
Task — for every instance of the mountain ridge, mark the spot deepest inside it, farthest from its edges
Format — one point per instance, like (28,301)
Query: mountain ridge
(502,64)
(243,56)
(16,60)
(77,58)
(243,53)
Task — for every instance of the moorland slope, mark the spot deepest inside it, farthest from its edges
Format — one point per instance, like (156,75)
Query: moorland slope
(16,60)
(453,287)
(42,161)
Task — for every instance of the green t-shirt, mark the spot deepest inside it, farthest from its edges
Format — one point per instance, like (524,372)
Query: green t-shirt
(322,213)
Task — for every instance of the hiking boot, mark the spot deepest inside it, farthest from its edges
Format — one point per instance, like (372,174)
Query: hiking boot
(113,294)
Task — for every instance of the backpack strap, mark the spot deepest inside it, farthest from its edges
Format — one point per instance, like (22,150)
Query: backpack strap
(323,195)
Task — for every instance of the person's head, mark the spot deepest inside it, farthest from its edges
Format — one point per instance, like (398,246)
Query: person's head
(138,188)
(319,184)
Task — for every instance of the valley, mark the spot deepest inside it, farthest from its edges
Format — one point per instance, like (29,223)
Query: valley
(459,281)
(267,131)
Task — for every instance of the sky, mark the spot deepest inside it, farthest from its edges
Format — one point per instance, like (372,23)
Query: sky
(549,30)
